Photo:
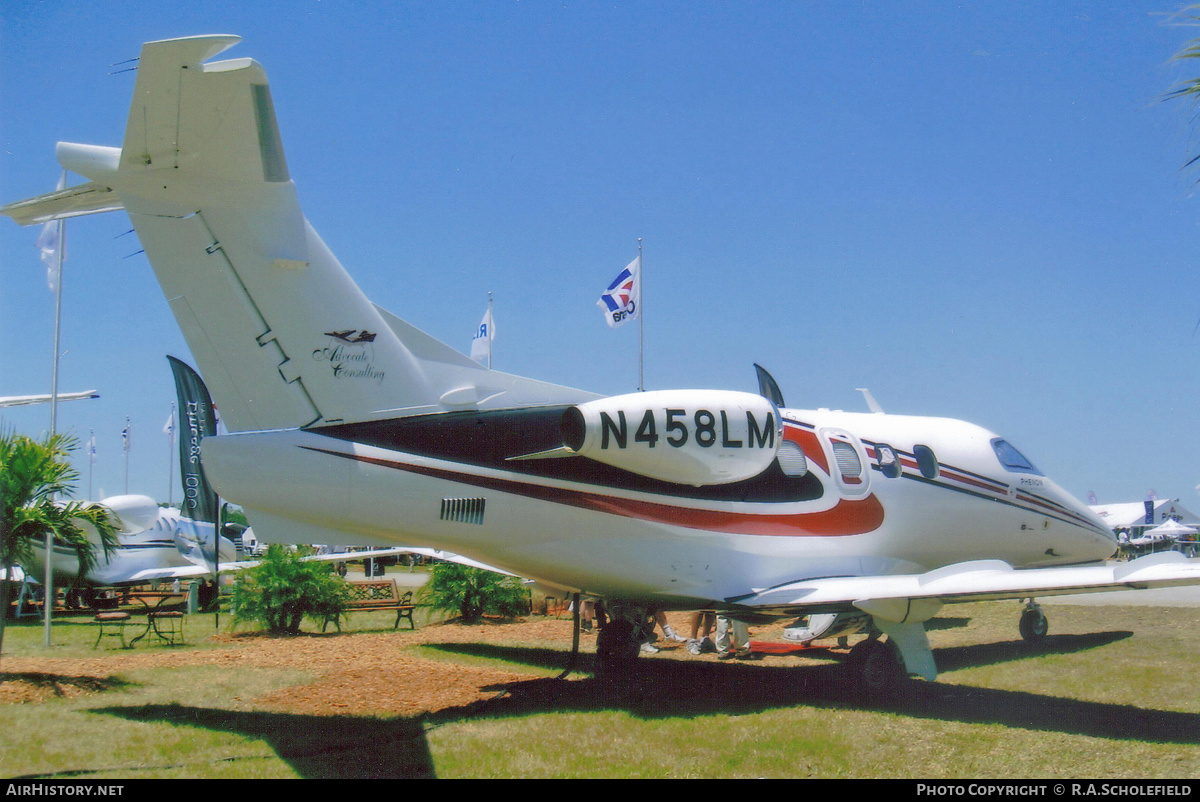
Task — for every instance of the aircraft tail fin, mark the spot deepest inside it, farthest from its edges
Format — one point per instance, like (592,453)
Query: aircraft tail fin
(281,333)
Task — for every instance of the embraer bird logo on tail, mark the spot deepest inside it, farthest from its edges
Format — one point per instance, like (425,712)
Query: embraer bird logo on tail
(348,336)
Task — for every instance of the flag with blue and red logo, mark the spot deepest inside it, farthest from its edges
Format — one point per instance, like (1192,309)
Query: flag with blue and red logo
(619,303)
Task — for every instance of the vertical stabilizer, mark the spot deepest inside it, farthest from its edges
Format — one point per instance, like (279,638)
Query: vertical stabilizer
(282,335)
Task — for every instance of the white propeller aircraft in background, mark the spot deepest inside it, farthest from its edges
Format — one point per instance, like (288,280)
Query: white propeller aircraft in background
(159,544)
(23,400)
(349,425)
(154,544)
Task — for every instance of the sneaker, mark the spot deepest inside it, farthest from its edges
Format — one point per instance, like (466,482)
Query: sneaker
(746,654)
(693,646)
(586,626)
(648,648)
(673,635)
(725,655)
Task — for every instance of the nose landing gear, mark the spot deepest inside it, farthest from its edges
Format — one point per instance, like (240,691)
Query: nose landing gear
(1033,626)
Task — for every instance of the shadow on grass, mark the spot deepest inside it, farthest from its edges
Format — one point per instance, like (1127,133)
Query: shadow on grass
(324,747)
(946,622)
(985,654)
(665,688)
(63,684)
(364,747)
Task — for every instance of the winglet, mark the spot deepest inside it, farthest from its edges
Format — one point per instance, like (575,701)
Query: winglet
(872,404)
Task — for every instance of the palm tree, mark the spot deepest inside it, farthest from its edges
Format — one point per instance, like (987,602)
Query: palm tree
(32,474)
(1189,88)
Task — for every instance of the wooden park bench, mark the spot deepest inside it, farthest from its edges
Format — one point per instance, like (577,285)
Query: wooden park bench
(376,594)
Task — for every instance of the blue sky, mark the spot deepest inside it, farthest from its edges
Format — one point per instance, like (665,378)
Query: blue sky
(976,211)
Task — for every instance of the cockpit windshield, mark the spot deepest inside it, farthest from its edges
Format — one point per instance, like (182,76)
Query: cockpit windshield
(1012,459)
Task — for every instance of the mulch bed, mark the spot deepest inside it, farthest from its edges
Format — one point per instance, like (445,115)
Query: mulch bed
(372,673)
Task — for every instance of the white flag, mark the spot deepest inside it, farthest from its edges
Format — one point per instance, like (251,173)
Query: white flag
(49,242)
(125,436)
(619,303)
(481,345)
(169,427)
(92,449)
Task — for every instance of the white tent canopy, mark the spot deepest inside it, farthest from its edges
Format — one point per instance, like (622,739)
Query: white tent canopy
(1171,530)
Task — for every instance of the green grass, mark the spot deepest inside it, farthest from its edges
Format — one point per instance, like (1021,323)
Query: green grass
(1112,694)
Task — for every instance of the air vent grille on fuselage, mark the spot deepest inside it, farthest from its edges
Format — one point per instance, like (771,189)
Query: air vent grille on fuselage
(463,510)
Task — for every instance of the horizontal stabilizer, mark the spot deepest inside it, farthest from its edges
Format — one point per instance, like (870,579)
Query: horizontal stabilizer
(76,201)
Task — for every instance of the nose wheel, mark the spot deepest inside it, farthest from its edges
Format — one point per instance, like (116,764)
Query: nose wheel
(1033,626)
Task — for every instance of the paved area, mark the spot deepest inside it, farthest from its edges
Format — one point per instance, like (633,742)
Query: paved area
(1157,597)
(404,579)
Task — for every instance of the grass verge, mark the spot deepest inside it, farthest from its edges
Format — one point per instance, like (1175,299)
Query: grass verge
(1109,695)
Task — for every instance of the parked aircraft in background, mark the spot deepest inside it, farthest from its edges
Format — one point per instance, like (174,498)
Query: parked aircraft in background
(349,425)
(157,544)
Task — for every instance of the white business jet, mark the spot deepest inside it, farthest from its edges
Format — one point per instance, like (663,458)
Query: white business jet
(349,425)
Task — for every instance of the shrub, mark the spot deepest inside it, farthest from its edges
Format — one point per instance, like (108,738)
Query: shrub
(473,592)
(284,590)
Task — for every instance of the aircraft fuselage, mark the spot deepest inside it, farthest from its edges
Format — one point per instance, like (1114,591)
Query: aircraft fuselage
(874,494)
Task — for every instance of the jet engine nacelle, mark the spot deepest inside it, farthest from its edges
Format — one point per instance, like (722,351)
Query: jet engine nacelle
(694,437)
(133,513)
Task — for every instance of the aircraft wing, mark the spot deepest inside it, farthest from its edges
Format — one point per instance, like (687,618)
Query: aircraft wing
(22,400)
(917,597)
(195,571)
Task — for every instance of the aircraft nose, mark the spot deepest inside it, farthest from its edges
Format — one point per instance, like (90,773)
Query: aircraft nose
(1097,531)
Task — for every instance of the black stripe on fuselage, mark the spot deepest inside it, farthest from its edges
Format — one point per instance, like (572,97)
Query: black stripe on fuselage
(488,439)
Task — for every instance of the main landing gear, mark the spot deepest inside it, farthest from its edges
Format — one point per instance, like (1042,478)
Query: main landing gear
(878,670)
(1033,626)
(619,641)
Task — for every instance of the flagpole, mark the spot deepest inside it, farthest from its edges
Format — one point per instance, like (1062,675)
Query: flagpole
(641,313)
(171,458)
(128,436)
(48,601)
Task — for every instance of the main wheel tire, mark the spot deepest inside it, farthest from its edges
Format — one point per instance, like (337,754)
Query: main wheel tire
(878,672)
(616,649)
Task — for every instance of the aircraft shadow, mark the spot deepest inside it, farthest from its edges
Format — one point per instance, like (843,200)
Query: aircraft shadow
(955,658)
(317,747)
(356,747)
(672,688)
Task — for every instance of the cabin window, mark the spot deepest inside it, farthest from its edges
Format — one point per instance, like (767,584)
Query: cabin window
(888,461)
(791,459)
(926,461)
(848,461)
(1012,459)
